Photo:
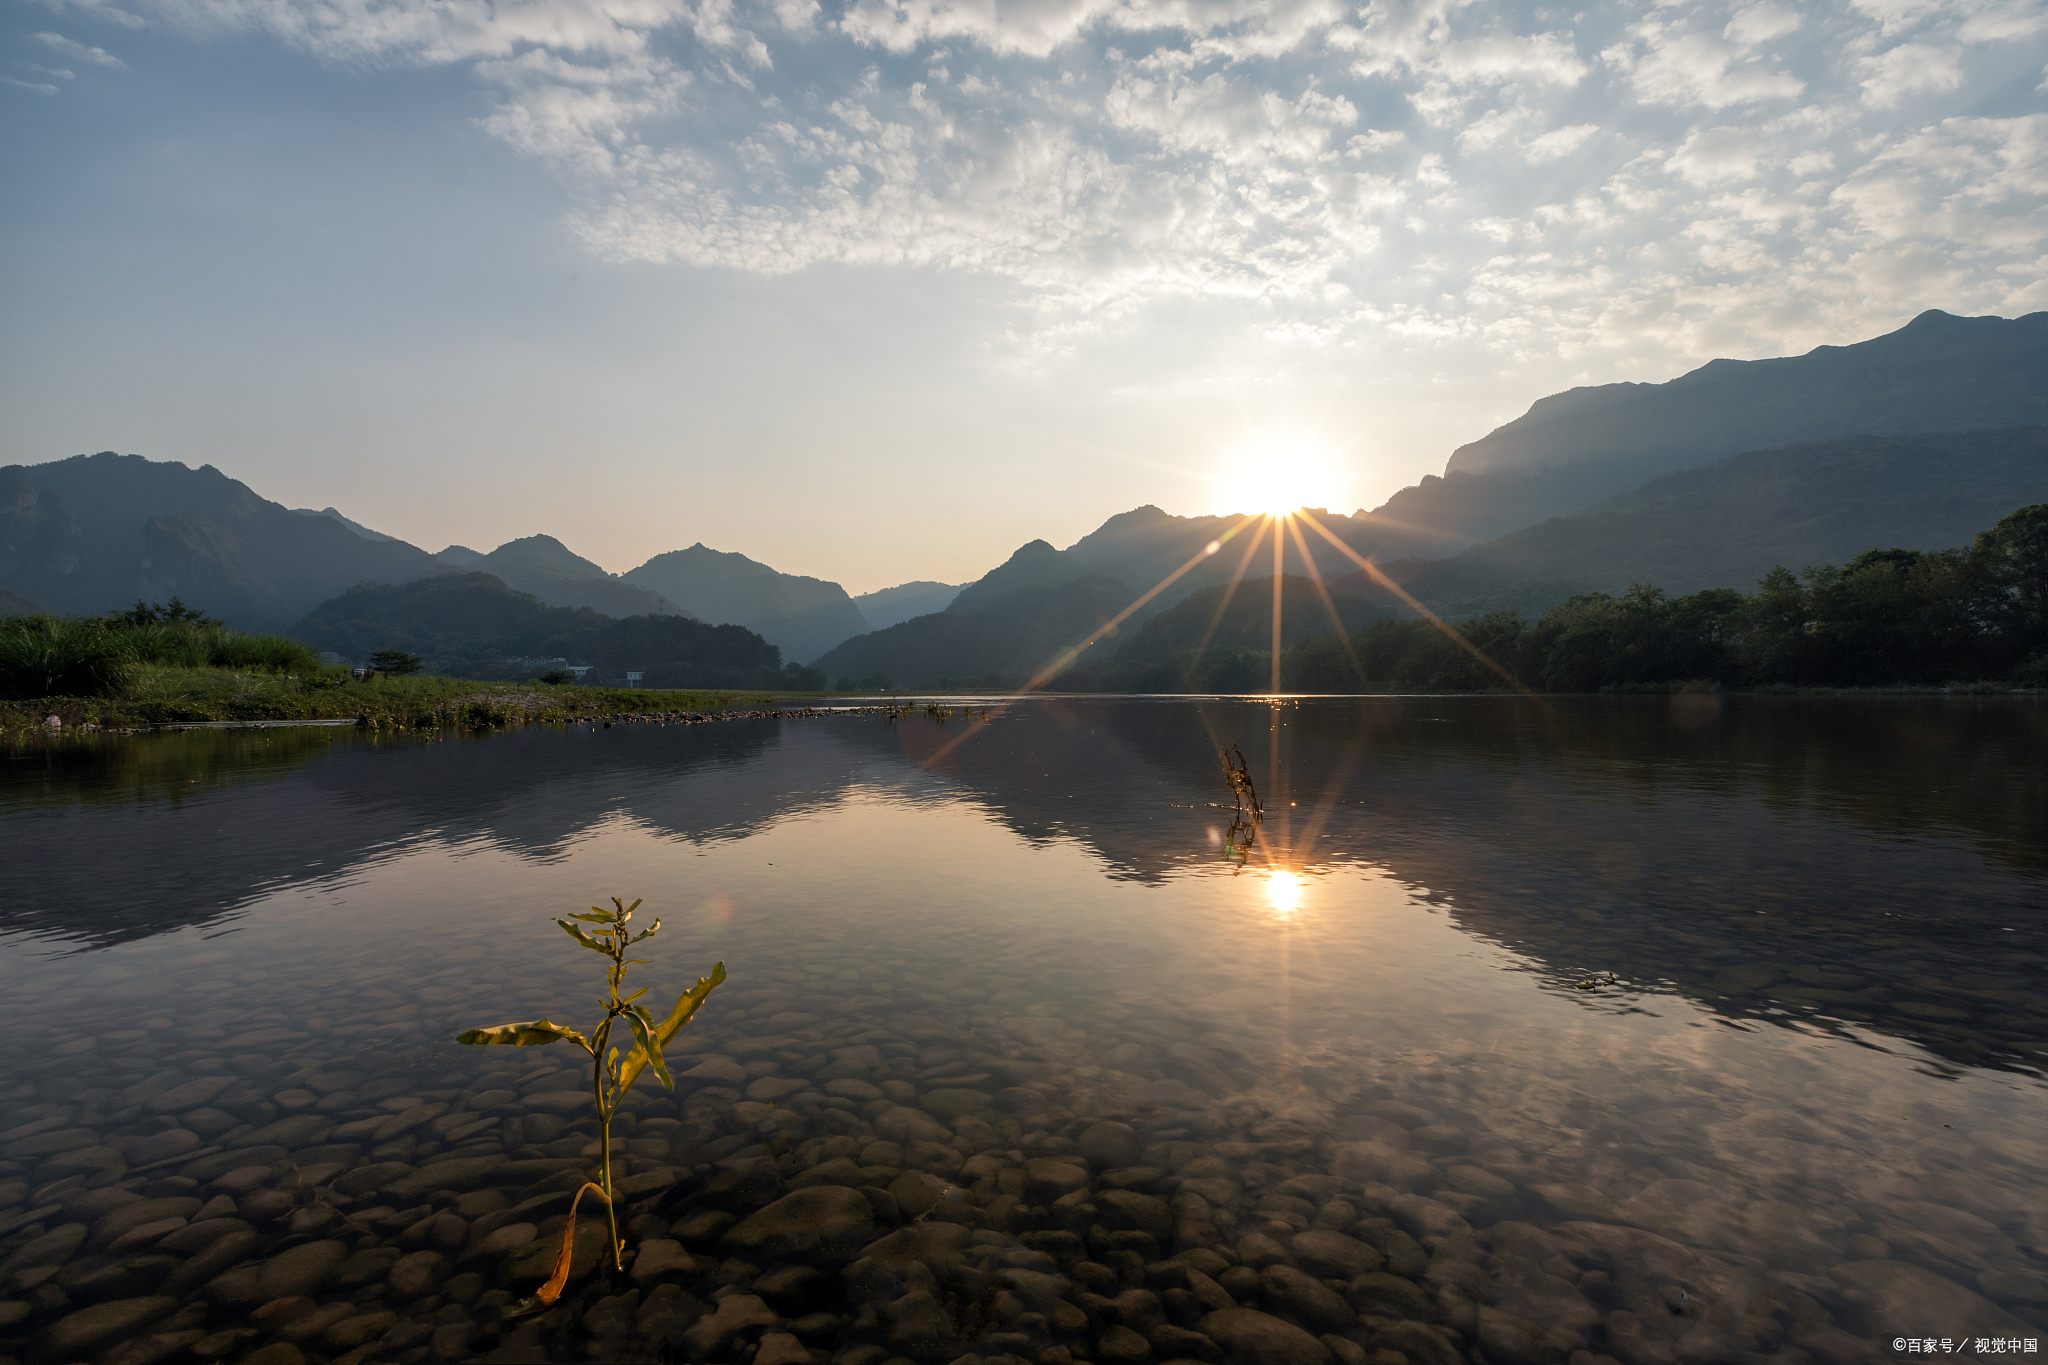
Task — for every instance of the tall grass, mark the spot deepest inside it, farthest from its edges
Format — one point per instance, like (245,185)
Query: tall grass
(190,644)
(49,656)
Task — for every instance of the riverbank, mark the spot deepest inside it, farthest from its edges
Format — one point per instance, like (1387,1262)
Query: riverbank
(164,696)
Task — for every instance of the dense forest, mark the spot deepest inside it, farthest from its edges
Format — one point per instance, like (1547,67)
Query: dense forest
(1887,617)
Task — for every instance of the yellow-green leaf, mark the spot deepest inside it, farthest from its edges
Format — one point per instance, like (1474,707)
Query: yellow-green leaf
(586,940)
(686,1008)
(538,1033)
(650,1047)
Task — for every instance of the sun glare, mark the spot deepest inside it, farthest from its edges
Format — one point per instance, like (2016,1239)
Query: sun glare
(1280,472)
(1283,893)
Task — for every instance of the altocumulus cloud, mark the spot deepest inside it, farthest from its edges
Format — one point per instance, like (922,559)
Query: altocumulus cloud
(1695,174)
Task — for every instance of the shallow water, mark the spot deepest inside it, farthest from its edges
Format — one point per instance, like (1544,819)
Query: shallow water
(1685,1028)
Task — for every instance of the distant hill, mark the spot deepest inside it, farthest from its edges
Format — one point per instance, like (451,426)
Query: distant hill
(461,556)
(1002,644)
(891,606)
(472,625)
(803,616)
(94,532)
(559,577)
(1726,525)
(1937,373)
(365,532)
(1220,640)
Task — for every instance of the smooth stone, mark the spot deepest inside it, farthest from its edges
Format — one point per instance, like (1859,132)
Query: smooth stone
(710,1336)
(1129,1209)
(1257,1251)
(558,1102)
(460,1174)
(781,1348)
(1249,1337)
(824,1221)
(851,1089)
(907,1125)
(1122,1346)
(241,1180)
(1443,1138)
(172,1142)
(191,1095)
(301,1269)
(366,1179)
(661,1256)
(713,1070)
(1417,1342)
(916,1192)
(1048,1178)
(1510,1340)
(1332,1255)
(300,1130)
(49,1144)
(841,1171)
(1377,1163)
(1390,1296)
(81,1334)
(141,1213)
(417,1275)
(1424,1217)
(951,1104)
(1306,1298)
(1877,1291)
(1111,1144)
(773,1089)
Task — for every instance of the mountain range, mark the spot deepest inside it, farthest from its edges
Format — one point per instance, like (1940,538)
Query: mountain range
(1916,439)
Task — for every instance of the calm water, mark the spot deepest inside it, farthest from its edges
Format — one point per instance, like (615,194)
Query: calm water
(1672,1029)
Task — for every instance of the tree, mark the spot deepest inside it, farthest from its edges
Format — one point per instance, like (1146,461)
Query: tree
(558,677)
(396,662)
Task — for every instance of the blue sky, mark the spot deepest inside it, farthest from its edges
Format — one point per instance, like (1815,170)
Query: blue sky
(879,289)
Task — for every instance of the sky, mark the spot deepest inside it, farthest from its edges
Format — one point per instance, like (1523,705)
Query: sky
(878,290)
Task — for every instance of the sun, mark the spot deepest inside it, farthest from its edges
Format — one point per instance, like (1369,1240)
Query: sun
(1281,472)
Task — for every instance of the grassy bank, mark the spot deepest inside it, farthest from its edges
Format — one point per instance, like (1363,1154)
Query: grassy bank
(167,695)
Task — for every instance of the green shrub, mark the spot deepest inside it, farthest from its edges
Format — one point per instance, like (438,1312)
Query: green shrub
(47,656)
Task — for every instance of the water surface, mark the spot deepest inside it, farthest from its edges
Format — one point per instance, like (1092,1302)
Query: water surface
(1693,1027)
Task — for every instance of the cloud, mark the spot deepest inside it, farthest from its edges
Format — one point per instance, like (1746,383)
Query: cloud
(1910,69)
(97,10)
(1697,175)
(1559,142)
(81,52)
(40,88)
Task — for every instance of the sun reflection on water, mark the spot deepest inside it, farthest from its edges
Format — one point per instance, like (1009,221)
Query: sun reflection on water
(1283,893)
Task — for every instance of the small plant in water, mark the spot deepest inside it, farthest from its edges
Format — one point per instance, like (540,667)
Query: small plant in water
(611,1075)
(1244,828)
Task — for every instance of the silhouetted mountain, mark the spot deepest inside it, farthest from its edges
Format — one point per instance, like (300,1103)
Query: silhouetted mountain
(1221,639)
(1004,643)
(803,616)
(461,556)
(473,625)
(95,532)
(891,606)
(1726,525)
(550,571)
(365,532)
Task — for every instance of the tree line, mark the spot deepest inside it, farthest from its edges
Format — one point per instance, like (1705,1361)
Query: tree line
(1887,617)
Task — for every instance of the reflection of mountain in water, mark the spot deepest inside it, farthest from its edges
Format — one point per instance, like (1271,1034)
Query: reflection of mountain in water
(204,823)
(1874,861)
(1877,861)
